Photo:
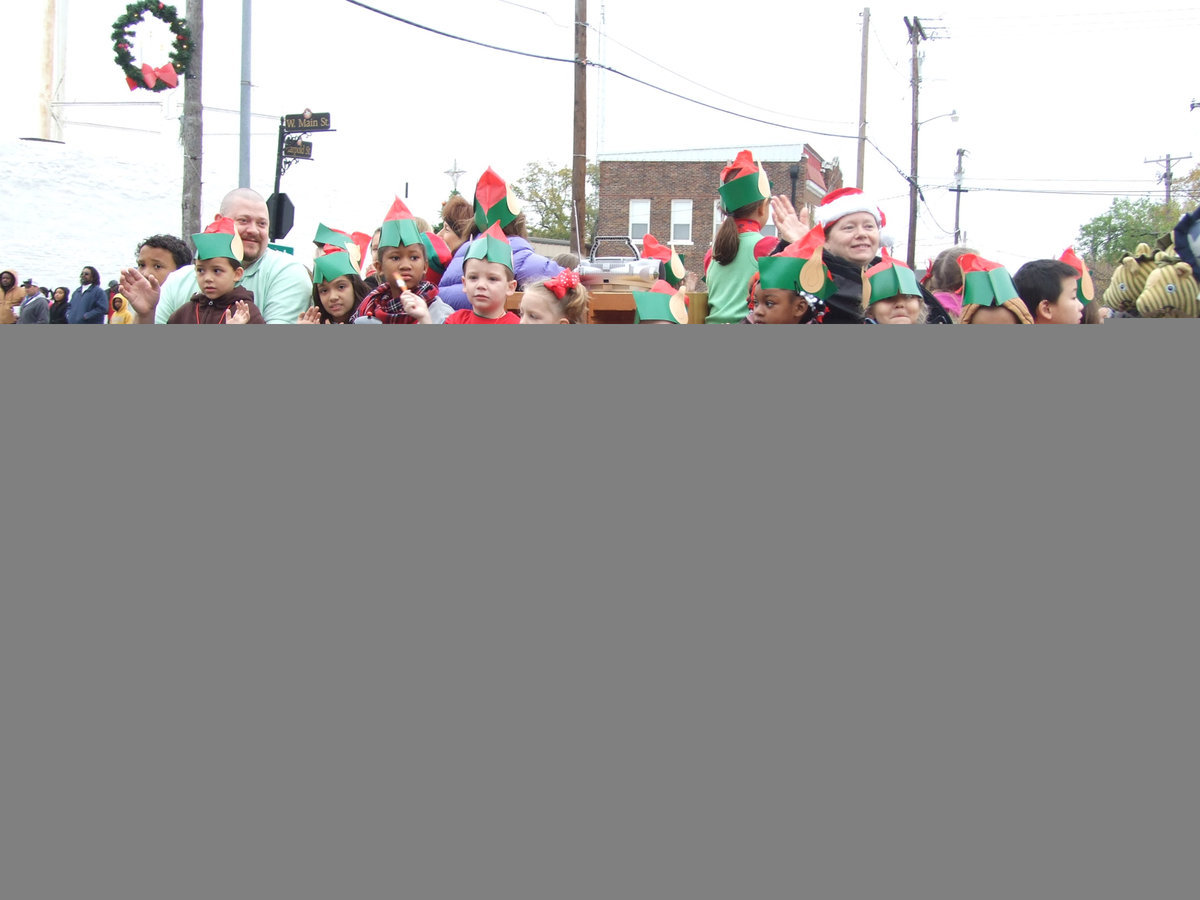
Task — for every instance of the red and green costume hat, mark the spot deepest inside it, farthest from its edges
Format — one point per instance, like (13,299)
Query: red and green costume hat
(673,271)
(800,267)
(399,227)
(493,202)
(333,265)
(331,240)
(1084,288)
(985,283)
(219,240)
(492,246)
(662,303)
(891,278)
(744,182)
(438,253)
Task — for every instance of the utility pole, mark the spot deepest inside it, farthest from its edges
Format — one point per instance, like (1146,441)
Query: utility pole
(1169,176)
(192,127)
(244,131)
(579,158)
(862,99)
(48,41)
(959,190)
(916,34)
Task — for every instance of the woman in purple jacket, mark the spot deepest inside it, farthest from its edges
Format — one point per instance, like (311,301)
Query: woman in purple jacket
(494,204)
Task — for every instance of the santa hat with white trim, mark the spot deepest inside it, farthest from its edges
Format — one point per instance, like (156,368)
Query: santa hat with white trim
(845,202)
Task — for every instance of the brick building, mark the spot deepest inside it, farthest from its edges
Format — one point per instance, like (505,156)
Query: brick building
(673,195)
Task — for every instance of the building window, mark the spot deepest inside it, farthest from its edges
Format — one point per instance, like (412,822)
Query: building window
(639,219)
(681,221)
(769,229)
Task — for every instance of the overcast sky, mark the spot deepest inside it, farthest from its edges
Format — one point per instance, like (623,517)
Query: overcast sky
(1049,99)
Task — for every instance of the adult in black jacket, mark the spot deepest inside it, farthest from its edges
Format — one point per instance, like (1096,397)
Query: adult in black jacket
(852,225)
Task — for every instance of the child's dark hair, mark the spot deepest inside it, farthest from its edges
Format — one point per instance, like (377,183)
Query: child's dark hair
(725,247)
(360,293)
(1041,280)
(573,306)
(180,252)
(946,275)
(236,263)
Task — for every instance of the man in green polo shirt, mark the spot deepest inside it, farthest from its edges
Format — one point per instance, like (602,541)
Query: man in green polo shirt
(281,285)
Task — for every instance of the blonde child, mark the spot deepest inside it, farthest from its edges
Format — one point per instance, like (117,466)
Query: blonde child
(488,280)
(561,300)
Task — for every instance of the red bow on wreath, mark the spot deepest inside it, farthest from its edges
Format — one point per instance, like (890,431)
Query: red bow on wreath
(166,74)
(562,282)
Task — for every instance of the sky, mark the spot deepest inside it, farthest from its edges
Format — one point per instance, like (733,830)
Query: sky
(1058,109)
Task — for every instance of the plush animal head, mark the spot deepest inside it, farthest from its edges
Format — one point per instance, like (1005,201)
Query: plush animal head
(1171,293)
(1129,279)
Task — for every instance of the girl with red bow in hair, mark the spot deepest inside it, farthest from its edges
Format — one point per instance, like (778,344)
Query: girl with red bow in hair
(561,300)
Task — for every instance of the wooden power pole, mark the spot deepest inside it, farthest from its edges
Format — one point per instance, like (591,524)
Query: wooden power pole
(862,99)
(193,122)
(579,157)
(916,34)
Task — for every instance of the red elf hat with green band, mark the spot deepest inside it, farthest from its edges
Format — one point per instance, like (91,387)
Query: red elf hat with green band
(219,240)
(891,278)
(437,252)
(492,246)
(985,283)
(399,227)
(1084,288)
(800,267)
(660,304)
(334,265)
(493,202)
(744,182)
(673,271)
(332,240)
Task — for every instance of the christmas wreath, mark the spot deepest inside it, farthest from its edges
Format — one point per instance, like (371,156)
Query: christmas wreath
(152,78)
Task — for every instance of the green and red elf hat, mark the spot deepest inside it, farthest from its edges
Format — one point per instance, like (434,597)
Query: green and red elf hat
(662,303)
(331,240)
(492,246)
(438,253)
(399,227)
(985,283)
(493,202)
(744,182)
(219,240)
(1084,288)
(800,267)
(891,278)
(334,265)
(673,271)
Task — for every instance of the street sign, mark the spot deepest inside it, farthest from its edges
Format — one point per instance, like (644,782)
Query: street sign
(298,150)
(305,122)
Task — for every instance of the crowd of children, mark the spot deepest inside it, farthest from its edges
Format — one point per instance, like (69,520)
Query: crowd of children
(470,271)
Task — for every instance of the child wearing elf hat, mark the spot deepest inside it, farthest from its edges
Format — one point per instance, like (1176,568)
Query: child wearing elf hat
(891,294)
(338,290)
(489,281)
(989,295)
(791,286)
(746,200)
(218,270)
(403,290)
(561,300)
(494,204)
(661,304)
(1050,290)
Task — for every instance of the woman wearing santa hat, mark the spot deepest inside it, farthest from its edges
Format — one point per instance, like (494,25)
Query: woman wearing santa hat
(853,234)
